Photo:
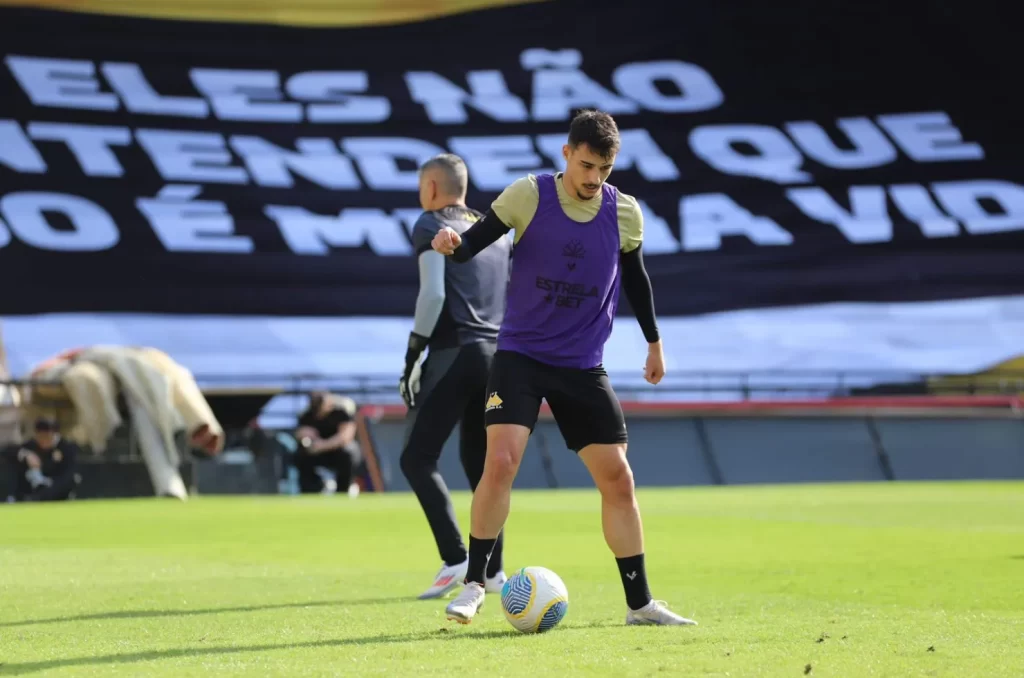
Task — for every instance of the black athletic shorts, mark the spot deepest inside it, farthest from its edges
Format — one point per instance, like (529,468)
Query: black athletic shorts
(583,402)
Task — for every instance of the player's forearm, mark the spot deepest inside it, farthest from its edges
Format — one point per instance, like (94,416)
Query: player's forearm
(637,286)
(480,236)
(430,299)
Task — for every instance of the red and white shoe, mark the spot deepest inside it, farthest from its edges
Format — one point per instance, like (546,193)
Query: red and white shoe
(448,578)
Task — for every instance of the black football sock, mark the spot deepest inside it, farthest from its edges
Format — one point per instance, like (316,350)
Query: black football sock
(634,580)
(495,564)
(479,554)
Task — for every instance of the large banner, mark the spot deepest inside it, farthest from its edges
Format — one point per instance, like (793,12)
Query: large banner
(783,154)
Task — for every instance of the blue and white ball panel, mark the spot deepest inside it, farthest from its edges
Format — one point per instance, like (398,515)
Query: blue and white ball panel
(518,593)
(556,610)
(534,600)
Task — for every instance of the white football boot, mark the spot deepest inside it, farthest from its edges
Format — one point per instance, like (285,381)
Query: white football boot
(448,578)
(467,603)
(656,613)
(494,584)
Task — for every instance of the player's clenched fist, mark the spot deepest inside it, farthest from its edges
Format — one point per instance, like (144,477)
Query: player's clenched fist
(446,241)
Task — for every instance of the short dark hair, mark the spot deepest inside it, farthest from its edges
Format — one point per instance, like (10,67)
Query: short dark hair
(597,130)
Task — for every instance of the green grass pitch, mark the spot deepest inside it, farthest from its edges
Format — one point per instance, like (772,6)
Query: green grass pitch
(838,580)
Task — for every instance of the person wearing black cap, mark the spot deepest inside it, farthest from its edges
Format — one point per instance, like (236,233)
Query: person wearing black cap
(44,467)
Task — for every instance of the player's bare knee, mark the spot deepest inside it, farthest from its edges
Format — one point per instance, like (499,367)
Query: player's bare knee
(502,462)
(616,484)
(505,446)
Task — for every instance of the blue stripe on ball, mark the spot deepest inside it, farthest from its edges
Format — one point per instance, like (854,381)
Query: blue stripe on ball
(552,616)
(515,594)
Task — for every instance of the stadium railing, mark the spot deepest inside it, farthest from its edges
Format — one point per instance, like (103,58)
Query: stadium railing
(275,401)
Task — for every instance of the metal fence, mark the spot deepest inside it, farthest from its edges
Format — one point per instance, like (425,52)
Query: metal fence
(287,392)
(710,384)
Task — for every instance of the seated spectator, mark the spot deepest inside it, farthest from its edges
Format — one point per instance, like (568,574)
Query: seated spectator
(44,467)
(327,439)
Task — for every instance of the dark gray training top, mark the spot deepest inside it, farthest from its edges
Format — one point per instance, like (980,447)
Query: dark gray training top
(459,304)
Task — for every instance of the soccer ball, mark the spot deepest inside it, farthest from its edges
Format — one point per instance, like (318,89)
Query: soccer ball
(534,599)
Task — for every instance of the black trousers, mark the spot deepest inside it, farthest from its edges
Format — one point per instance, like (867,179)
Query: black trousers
(453,390)
(342,461)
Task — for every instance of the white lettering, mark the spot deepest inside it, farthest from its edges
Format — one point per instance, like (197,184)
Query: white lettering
(917,205)
(314,234)
(550,146)
(776,159)
(963,199)
(139,96)
(318,160)
(870,147)
(867,220)
(408,217)
(17,152)
(658,238)
(697,89)
(184,224)
(90,144)
(190,156)
(641,152)
(538,57)
(377,159)
(495,162)
(245,95)
(61,83)
(335,87)
(445,102)
(556,93)
(92,228)
(705,219)
(929,137)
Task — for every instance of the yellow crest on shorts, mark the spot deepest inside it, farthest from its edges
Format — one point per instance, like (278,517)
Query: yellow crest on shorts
(493,403)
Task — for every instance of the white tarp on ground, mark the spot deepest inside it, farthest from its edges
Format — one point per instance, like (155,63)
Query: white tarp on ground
(9,420)
(948,337)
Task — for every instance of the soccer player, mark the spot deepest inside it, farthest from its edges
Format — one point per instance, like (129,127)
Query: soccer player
(575,237)
(458,311)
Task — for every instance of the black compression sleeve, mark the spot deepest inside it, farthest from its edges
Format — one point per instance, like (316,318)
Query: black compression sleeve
(480,236)
(637,286)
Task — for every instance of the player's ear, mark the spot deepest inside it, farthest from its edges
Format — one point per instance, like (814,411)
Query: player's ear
(565,153)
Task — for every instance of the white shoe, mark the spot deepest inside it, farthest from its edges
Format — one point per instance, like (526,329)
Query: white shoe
(467,603)
(448,578)
(657,613)
(494,584)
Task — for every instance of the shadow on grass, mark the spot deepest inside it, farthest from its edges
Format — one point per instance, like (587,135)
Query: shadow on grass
(445,634)
(145,614)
